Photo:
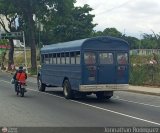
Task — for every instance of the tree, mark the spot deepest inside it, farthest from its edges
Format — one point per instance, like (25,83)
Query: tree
(82,22)
(133,42)
(112,32)
(97,33)
(157,38)
(70,24)
(41,10)
(3,43)
(108,32)
(9,13)
(149,41)
(26,9)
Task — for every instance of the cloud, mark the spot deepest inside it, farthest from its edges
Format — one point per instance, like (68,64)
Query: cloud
(131,15)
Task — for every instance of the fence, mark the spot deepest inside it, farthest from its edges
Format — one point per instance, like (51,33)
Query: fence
(144,51)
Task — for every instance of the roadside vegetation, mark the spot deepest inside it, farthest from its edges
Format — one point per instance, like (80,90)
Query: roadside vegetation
(143,72)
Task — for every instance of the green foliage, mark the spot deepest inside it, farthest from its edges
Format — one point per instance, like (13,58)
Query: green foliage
(138,74)
(19,60)
(4,42)
(112,32)
(134,42)
(3,53)
(32,71)
(139,59)
(108,32)
(70,24)
(149,41)
(145,74)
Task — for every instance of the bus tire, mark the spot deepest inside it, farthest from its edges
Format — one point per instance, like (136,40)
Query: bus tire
(41,86)
(68,94)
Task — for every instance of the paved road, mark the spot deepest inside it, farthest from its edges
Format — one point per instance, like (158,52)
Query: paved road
(51,109)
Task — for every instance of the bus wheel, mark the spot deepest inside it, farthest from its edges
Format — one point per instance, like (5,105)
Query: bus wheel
(68,94)
(41,86)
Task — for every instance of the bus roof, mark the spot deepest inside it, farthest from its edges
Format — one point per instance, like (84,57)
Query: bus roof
(77,44)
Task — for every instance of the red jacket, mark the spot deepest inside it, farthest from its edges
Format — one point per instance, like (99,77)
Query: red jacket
(21,76)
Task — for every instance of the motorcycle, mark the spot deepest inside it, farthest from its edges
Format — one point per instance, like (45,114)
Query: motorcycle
(21,88)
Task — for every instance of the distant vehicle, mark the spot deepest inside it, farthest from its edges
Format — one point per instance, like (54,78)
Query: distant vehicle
(97,65)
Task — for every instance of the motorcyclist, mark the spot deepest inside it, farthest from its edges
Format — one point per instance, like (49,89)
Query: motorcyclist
(20,76)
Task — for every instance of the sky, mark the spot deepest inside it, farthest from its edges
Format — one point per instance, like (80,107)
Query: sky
(130,17)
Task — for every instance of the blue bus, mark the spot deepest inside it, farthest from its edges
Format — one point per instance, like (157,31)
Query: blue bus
(98,65)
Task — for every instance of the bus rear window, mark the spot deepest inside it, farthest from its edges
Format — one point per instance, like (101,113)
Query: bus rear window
(89,58)
(106,58)
(122,58)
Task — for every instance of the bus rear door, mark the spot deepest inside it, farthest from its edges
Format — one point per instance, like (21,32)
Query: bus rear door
(122,68)
(106,68)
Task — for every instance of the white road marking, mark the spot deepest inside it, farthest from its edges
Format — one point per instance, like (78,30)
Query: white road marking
(117,98)
(133,117)
(100,108)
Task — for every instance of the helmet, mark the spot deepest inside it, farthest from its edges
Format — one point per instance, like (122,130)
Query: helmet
(21,68)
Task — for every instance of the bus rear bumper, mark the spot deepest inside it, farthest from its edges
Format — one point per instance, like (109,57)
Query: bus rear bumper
(103,87)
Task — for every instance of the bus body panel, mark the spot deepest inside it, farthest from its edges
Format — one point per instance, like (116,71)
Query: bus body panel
(55,75)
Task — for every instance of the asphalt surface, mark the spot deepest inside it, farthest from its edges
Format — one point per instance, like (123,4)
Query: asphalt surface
(51,109)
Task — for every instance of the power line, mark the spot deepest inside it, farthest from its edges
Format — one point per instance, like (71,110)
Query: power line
(116,7)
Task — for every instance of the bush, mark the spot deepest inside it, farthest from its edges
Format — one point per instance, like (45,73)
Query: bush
(145,74)
(32,71)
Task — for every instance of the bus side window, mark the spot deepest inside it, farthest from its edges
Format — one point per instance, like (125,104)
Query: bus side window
(67,58)
(50,58)
(78,57)
(58,58)
(46,59)
(63,58)
(54,58)
(72,56)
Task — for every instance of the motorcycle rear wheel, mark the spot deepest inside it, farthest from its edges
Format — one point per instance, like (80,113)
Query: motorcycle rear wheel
(22,92)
